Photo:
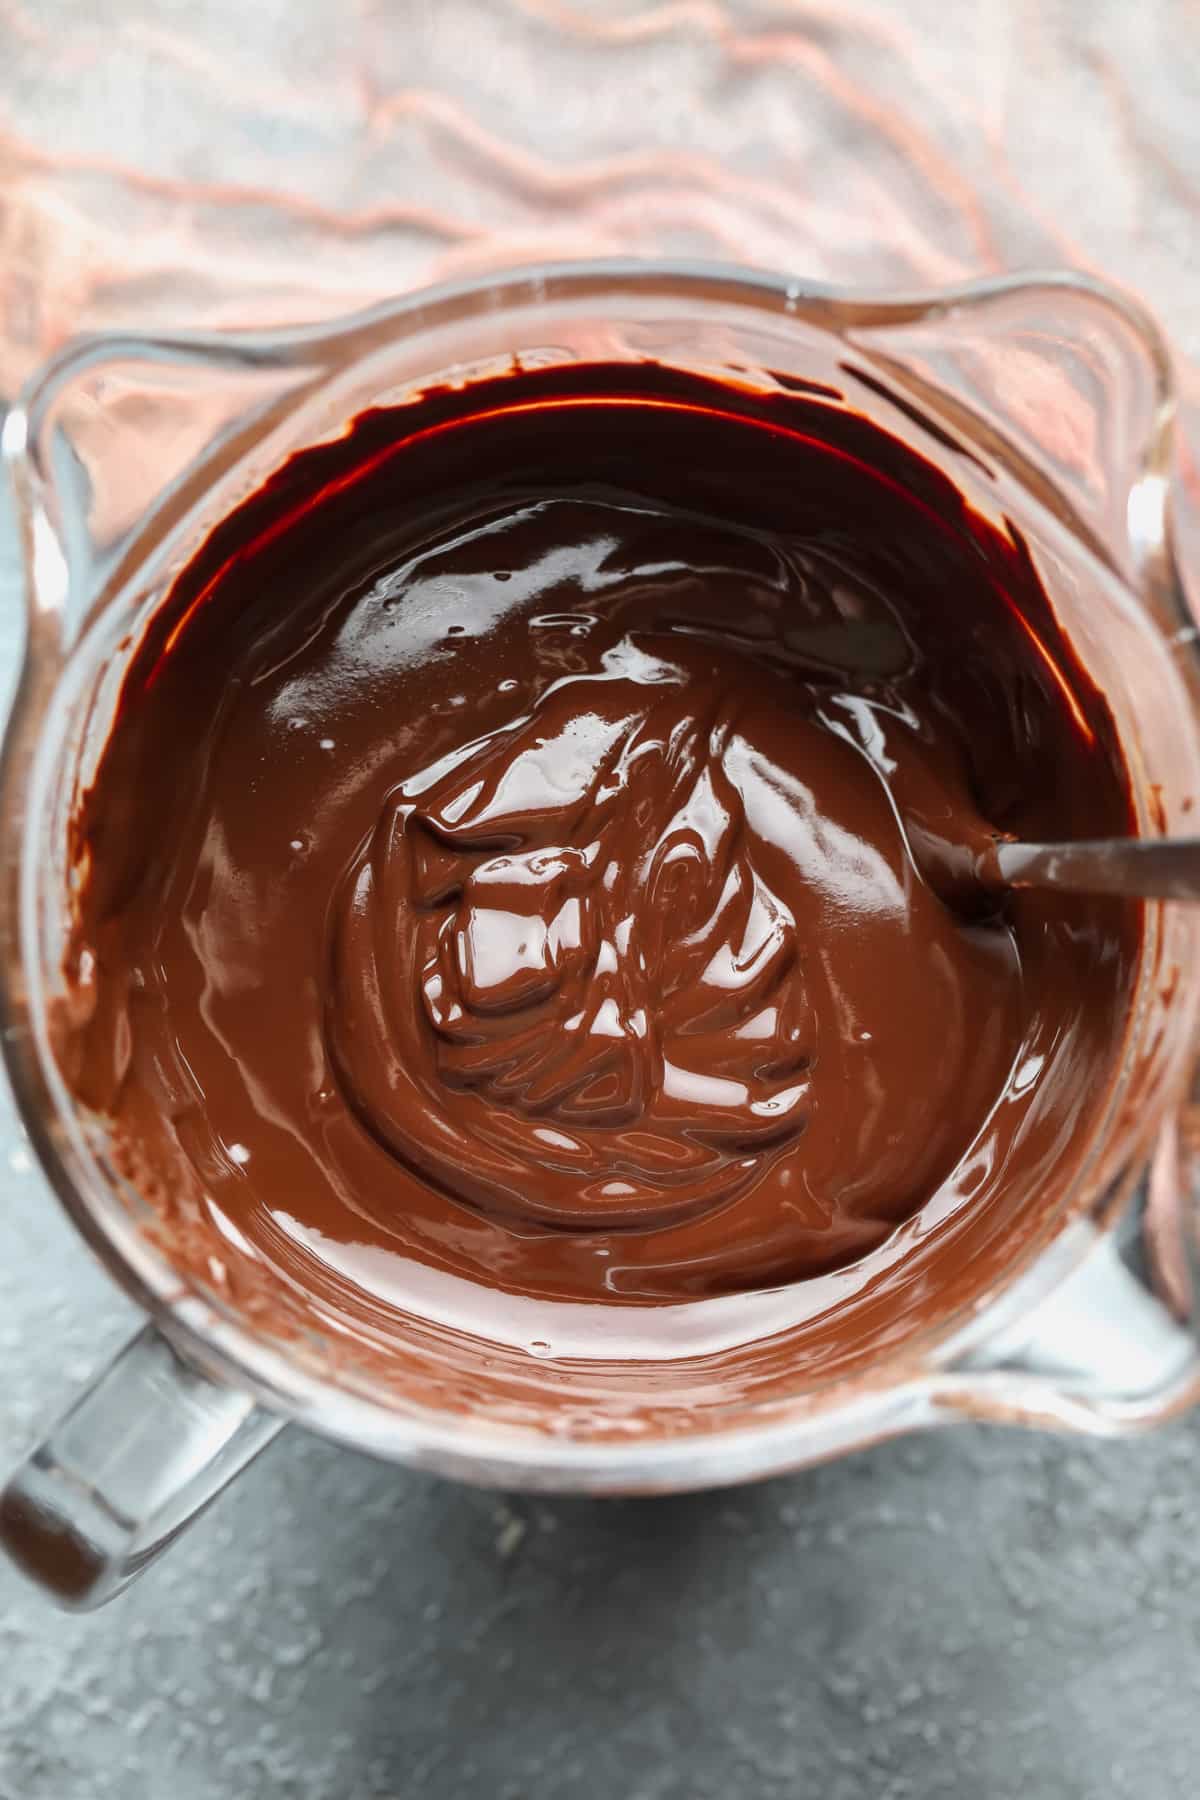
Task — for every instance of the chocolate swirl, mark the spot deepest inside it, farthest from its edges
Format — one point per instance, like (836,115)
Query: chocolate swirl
(570,929)
(532,861)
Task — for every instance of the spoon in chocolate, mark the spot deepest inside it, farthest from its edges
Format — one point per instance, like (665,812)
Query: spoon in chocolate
(1136,868)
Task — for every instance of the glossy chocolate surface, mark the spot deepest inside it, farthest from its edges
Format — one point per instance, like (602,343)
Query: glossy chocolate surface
(535,846)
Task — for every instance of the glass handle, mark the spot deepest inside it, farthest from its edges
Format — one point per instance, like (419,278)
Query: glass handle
(142,1452)
(1074,377)
(112,452)
(1107,1351)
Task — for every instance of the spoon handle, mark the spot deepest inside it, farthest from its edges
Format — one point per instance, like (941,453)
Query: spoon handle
(1142,868)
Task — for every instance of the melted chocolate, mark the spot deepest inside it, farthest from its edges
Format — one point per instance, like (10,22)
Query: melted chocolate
(536,840)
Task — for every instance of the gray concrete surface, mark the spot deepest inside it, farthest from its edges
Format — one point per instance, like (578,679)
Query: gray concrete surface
(982,1615)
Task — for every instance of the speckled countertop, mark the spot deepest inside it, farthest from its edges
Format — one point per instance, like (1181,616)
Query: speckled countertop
(977,1614)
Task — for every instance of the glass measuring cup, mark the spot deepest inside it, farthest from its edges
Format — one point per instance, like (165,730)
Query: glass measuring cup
(1050,402)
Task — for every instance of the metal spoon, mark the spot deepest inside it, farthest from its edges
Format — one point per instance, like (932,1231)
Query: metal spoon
(1138,868)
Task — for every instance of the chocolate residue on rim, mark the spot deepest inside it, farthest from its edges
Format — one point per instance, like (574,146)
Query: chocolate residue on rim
(533,848)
